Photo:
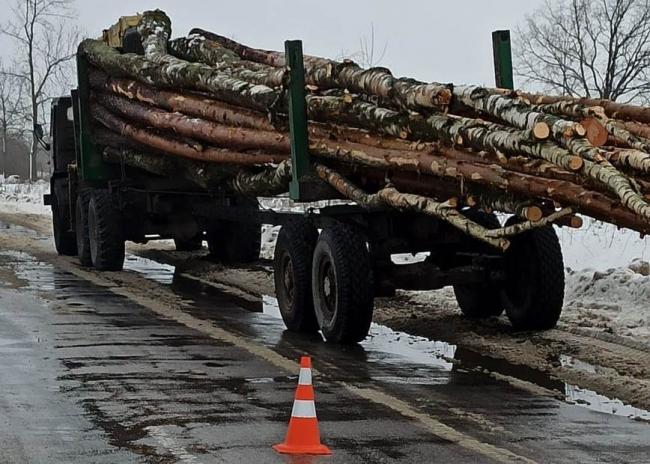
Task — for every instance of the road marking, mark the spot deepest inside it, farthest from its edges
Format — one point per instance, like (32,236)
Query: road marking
(379,397)
(180,453)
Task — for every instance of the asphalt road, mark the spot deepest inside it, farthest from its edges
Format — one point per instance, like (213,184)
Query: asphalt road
(173,371)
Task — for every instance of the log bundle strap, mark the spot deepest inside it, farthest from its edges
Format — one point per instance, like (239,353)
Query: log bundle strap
(200,106)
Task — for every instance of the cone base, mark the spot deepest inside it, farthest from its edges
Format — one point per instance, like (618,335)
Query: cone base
(319,450)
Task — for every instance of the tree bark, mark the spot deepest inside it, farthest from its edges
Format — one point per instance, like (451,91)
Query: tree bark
(323,73)
(235,138)
(589,202)
(391,197)
(268,182)
(198,49)
(515,112)
(612,109)
(175,147)
(180,102)
(183,75)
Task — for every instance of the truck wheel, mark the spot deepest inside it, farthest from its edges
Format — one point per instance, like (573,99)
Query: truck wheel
(192,244)
(292,275)
(81,228)
(65,240)
(480,301)
(105,232)
(232,242)
(533,293)
(342,284)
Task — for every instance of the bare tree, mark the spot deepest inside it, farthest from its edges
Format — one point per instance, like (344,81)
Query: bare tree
(590,48)
(12,111)
(366,56)
(46,43)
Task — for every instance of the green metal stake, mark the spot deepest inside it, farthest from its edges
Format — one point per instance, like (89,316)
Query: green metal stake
(300,164)
(502,60)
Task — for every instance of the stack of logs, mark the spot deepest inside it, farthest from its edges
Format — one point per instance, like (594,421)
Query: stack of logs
(215,111)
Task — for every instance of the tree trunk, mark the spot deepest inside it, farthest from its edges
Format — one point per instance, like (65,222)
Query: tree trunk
(235,138)
(323,73)
(180,102)
(175,147)
(612,109)
(515,112)
(183,75)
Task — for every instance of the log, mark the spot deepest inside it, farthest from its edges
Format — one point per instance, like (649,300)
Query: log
(408,202)
(197,49)
(267,182)
(521,227)
(184,76)
(175,147)
(612,109)
(323,73)
(181,102)
(515,112)
(196,128)
(592,203)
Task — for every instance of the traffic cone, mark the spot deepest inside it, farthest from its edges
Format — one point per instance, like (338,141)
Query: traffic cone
(303,436)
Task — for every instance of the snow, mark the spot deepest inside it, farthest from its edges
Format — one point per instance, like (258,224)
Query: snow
(617,300)
(24,197)
(601,246)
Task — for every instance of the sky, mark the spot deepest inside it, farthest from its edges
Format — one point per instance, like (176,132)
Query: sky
(444,41)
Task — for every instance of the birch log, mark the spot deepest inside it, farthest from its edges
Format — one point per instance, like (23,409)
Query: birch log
(405,93)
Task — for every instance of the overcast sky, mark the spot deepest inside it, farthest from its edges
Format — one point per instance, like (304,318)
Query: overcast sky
(431,40)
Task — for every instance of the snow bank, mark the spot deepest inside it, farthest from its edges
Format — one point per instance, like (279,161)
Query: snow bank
(616,300)
(24,197)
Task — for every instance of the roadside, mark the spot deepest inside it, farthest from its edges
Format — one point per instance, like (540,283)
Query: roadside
(590,349)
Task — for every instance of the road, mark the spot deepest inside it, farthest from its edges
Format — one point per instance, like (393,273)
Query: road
(149,365)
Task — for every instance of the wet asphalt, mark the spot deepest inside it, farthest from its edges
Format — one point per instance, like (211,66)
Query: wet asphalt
(88,375)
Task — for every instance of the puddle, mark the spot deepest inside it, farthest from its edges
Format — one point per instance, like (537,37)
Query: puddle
(596,402)
(399,348)
(153,270)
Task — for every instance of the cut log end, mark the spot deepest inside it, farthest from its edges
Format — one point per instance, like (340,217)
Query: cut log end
(576,163)
(596,132)
(541,131)
(533,213)
(579,130)
(574,222)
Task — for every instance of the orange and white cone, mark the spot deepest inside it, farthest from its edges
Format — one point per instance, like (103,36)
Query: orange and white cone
(303,436)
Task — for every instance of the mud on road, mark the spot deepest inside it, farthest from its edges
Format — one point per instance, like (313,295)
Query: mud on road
(425,375)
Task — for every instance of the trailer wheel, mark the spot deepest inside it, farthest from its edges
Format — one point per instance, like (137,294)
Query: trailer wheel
(192,244)
(533,293)
(292,275)
(480,301)
(81,228)
(65,240)
(342,284)
(105,232)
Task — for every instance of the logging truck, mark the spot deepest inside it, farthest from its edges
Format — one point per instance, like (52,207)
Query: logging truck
(331,259)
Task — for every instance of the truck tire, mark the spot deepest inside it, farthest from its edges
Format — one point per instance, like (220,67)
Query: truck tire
(105,232)
(192,244)
(480,301)
(533,292)
(342,284)
(233,242)
(65,240)
(81,228)
(292,275)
